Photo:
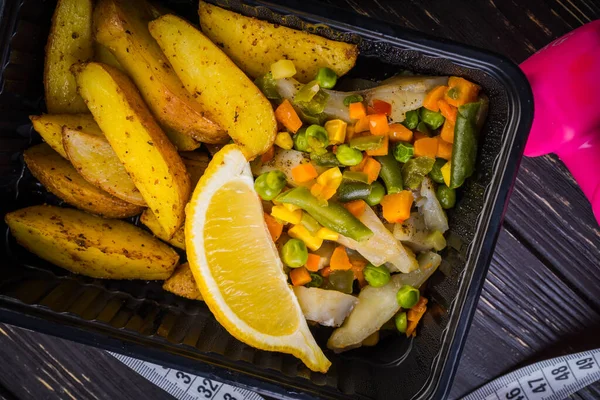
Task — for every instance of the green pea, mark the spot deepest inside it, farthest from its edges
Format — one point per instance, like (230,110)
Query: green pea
(408,296)
(376,276)
(300,142)
(316,280)
(353,98)
(433,119)
(411,120)
(294,253)
(401,322)
(327,78)
(436,171)
(376,195)
(317,137)
(404,152)
(269,185)
(446,196)
(348,156)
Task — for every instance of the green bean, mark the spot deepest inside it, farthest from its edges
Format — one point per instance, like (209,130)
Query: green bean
(269,184)
(464,148)
(355,176)
(391,173)
(446,196)
(412,119)
(349,191)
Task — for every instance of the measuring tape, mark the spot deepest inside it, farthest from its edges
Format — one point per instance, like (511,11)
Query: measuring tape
(184,386)
(553,379)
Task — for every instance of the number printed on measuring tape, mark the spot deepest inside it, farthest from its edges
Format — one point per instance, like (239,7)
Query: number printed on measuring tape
(553,379)
(185,386)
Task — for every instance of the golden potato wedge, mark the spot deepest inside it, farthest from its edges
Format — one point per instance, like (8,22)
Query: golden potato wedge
(50,126)
(150,159)
(97,163)
(102,54)
(122,26)
(254,44)
(195,163)
(224,90)
(182,283)
(60,178)
(149,219)
(90,245)
(69,42)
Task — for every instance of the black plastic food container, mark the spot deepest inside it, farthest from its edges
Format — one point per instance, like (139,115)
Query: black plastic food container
(141,320)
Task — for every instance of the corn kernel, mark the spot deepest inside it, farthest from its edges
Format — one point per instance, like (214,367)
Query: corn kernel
(300,232)
(282,213)
(283,69)
(327,234)
(446,172)
(336,130)
(284,140)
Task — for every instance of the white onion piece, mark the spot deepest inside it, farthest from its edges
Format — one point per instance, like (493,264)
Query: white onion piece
(327,307)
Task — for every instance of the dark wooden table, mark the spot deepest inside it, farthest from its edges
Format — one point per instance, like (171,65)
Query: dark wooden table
(542,295)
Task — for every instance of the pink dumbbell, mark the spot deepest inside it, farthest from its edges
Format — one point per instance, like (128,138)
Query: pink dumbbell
(565,79)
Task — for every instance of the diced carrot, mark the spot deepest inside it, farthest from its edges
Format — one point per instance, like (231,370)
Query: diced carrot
(304,173)
(432,97)
(359,167)
(382,107)
(268,155)
(339,260)
(372,168)
(370,110)
(313,262)
(300,276)
(419,135)
(426,147)
(444,150)
(381,150)
(275,227)
(356,207)
(414,315)
(411,328)
(286,114)
(449,112)
(357,110)
(396,207)
(378,124)
(358,267)
(400,133)
(447,133)
(362,124)
(350,130)
(461,91)
(325,272)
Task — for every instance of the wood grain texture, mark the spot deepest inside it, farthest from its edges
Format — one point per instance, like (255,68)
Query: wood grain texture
(541,297)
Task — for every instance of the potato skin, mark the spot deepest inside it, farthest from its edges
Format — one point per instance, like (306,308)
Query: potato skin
(150,159)
(89,245)
(182,283)
(50,126)
(254,44)
(70,41)
(122,26)
(97,163)
(226,92)
(60,177)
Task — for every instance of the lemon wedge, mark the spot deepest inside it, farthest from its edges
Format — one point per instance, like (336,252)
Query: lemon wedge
(236,265)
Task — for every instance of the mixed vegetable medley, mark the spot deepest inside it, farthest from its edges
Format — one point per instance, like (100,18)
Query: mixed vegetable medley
(355,187)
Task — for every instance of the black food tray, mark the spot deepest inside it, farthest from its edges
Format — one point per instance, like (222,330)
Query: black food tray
(141,320)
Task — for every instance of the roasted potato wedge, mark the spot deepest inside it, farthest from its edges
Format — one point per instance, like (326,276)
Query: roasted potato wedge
(60,177)
(150,159)
(182,283)
(195,163)
(97,163)
(122,26)
(103,55)
(69,42)
(149,219)
(50,126)
(254,44)
(224,90)
(90,245)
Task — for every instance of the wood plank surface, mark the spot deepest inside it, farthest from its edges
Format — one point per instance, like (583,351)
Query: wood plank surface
(541,297)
